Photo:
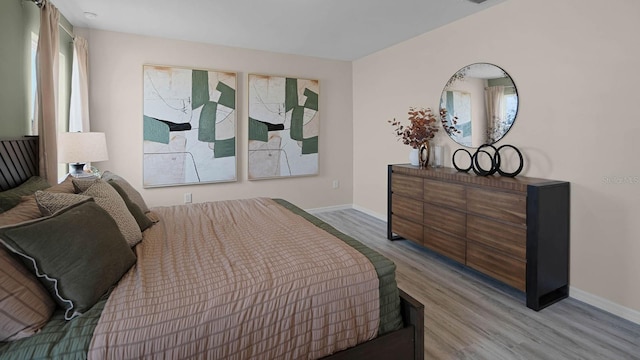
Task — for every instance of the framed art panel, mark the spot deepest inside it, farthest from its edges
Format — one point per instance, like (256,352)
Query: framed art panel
(284,124)
(189,122)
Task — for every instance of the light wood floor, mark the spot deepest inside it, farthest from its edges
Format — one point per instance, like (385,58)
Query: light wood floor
(469,316)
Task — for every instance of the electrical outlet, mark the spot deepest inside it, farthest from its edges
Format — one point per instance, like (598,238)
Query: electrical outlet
(187,198)
(336,184)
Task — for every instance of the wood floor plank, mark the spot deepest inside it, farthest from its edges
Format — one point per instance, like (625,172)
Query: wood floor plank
(470,316)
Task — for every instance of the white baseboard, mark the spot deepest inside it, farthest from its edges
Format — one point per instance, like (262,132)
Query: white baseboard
(329,208)
(606,305)
(382,217)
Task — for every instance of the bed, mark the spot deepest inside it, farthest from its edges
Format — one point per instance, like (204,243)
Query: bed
(249,278)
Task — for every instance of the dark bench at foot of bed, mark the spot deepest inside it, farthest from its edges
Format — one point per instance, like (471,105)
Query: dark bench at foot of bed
(406,343)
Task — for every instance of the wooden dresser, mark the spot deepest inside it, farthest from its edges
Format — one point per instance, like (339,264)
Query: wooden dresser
(515,230)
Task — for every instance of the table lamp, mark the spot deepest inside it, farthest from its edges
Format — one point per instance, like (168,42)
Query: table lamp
(79,148)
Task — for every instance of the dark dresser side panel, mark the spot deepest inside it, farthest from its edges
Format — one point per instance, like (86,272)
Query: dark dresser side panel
(548,256)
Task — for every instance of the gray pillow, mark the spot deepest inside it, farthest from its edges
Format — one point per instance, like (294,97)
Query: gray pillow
(143,221)
(109,199)
(78,254)
(11,197)
(50,203)
(133,194)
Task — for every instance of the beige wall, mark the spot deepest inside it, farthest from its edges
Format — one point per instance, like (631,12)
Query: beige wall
(575,64)
(116,61)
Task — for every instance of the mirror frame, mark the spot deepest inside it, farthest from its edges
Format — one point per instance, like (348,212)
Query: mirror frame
(465,99)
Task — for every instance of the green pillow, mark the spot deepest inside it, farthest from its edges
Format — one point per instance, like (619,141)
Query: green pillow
(11,197)
(143,221)
(78,254)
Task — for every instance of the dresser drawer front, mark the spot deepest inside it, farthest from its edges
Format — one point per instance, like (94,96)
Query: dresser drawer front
(445,244)
(503,268)
(407,208)
(407,229)
(499,205)
(410,186)
(443,193)
(511,240)
(445,220)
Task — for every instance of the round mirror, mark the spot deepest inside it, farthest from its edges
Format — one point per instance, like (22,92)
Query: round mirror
(478,105)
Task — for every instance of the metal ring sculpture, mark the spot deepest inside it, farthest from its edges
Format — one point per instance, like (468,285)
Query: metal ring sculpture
(453,160)
(495,161)
(512,174)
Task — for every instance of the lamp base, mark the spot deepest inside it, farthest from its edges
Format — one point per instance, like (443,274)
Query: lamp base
(76,170)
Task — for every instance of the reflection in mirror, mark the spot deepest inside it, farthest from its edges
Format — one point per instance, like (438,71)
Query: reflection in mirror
(478,105)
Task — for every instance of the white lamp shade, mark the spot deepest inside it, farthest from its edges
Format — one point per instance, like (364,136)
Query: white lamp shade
(82,147)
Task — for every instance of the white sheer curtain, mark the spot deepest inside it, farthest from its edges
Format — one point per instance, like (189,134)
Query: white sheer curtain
(47,94)
(79,109)
(494,101)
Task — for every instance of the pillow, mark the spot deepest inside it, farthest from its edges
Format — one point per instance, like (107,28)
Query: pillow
(109,199)
(50,203)
(78,254)
(28,209)
(154,217)
(143,221)
(11,197)
(66,186)
(81,185)
(25,306)
(133,194)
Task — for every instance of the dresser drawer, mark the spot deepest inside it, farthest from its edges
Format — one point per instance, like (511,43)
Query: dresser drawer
(407,229)
(445,220)
(445,244)
(499,205)
(511,240)
(503,268)
(407,208)
(443,193)
(407,185)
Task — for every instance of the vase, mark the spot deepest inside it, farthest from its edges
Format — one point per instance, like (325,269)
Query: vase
(424,151)
(414,157)
(438,156)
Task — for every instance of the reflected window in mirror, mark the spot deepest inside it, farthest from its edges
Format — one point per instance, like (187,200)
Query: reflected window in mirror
(479,105)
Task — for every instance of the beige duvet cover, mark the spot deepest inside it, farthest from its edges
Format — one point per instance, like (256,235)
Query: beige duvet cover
(242,279)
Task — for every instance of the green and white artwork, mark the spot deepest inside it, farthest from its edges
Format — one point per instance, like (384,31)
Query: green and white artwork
(283,126)
(189,122)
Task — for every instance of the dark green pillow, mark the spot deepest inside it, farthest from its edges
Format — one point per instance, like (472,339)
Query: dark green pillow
(143,221)
(11,197)
(78,254)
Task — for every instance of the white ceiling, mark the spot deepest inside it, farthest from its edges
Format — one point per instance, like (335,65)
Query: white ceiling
(333,29)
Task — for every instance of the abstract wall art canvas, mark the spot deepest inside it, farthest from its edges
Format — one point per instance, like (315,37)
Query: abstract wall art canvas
(189,122)
(283,126)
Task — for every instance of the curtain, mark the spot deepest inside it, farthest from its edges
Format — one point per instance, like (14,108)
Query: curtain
(79,109)
(494,101)
(47,73)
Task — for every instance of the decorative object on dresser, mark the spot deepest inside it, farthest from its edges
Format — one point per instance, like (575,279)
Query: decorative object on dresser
(422,128)
(478,105)
(495,160)
(513,230)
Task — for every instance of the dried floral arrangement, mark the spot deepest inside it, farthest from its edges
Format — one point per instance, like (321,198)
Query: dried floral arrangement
(422,127)
(450,129)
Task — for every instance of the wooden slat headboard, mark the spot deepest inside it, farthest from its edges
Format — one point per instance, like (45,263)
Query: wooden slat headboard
(18,161)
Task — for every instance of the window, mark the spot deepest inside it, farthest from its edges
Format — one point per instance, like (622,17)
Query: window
(33,83)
